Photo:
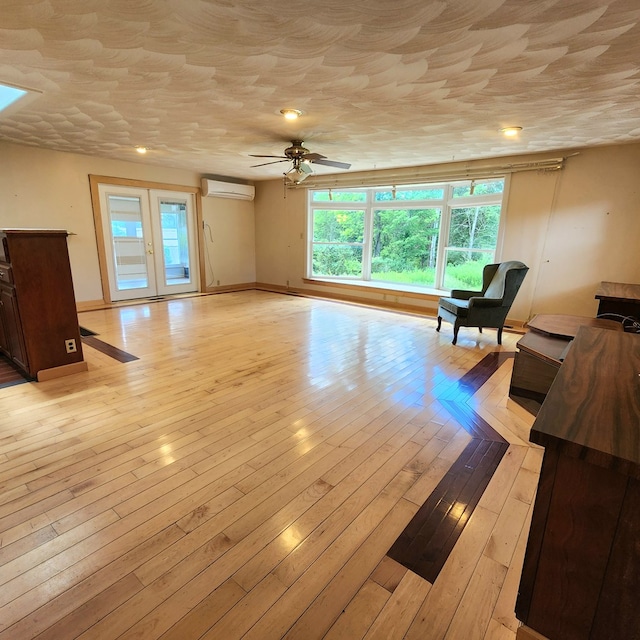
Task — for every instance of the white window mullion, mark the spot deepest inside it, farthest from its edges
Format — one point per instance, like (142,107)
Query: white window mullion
(443,237)
(368,237)
(497,254)
(310,235)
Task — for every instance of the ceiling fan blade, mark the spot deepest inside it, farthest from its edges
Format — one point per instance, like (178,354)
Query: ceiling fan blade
(332,163)
(313,157)
(255,155)
(265,163)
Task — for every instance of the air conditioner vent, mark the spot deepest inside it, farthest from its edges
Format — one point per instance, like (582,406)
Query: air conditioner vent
(219,189)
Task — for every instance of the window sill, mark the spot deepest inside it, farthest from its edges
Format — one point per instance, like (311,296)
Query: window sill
(381,288)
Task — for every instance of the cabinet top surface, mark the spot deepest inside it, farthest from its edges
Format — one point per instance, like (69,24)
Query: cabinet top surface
(34,231)
(566,326)
(594,401)
(618,291)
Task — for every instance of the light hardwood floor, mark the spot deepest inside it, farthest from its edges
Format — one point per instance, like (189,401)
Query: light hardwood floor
(246,476)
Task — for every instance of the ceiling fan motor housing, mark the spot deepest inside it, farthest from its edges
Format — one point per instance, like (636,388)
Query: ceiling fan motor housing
(296,150)
(300,155)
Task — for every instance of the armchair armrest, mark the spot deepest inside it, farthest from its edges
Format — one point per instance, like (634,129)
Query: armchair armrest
(462,294)
(484,303)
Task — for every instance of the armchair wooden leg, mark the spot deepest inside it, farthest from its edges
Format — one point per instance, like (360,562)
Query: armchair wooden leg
(500,335)
(480,329)
(456,328)
(439,323)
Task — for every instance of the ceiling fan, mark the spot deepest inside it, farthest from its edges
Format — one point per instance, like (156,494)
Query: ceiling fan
(302,160)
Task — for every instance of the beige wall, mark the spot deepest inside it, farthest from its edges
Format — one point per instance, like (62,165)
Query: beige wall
(573,228)
(41,188)
(593,230)
(280,234)
(229,240)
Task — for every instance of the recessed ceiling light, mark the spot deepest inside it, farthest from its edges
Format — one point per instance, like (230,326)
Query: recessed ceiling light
(511,132)
(291,114)
(142,150)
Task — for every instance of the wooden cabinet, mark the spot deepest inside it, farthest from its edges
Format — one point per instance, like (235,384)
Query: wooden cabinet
(13,340)
(581,574)
(618,300)
(38,320)
(540,354)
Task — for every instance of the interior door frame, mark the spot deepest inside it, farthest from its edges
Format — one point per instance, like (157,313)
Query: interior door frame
(95,180)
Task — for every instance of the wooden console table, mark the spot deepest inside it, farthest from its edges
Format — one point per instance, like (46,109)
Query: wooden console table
(581,574)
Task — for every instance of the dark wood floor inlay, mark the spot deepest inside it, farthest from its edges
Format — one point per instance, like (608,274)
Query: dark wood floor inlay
(109,350)
(9,375)
(425,544)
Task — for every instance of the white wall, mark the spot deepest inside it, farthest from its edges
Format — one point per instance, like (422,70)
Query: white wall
(49,189)
(573,228)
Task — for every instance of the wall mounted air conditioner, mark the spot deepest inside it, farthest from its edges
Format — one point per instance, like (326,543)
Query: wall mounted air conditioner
(218,189)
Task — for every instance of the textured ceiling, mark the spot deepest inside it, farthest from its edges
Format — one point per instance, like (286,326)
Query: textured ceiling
(382,83)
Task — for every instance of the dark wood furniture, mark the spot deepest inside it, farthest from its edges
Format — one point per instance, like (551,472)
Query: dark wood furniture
(535,366)
(619,299)
(38,320)
(540,353)
(566,326)
(581,574)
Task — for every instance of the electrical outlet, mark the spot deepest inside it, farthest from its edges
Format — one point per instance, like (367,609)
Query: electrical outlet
(70,345)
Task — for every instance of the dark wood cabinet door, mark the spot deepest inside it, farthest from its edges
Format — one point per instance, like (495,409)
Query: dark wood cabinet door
(12,328)
(4,341)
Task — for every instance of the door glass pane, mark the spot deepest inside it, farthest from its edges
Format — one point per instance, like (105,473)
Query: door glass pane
(175,242)
(129,255)
(405,245)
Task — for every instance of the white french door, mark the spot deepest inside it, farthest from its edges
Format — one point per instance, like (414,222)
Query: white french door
(150,241)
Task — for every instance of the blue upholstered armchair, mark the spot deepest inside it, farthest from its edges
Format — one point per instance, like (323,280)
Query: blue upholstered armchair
(486,308)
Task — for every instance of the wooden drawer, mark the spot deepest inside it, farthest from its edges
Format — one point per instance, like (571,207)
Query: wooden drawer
(5,273)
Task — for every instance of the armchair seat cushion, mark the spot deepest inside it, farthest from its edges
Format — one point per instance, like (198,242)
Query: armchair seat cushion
(460,308)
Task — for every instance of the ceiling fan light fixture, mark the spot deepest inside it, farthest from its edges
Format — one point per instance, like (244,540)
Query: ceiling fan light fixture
(298,174)
(510,132)
(291,114)
(142,150)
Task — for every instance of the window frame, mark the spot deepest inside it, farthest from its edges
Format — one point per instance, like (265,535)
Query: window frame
(369,205)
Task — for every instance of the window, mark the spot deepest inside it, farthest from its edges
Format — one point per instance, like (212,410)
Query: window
(433,236)
(9,95)
(14,98)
